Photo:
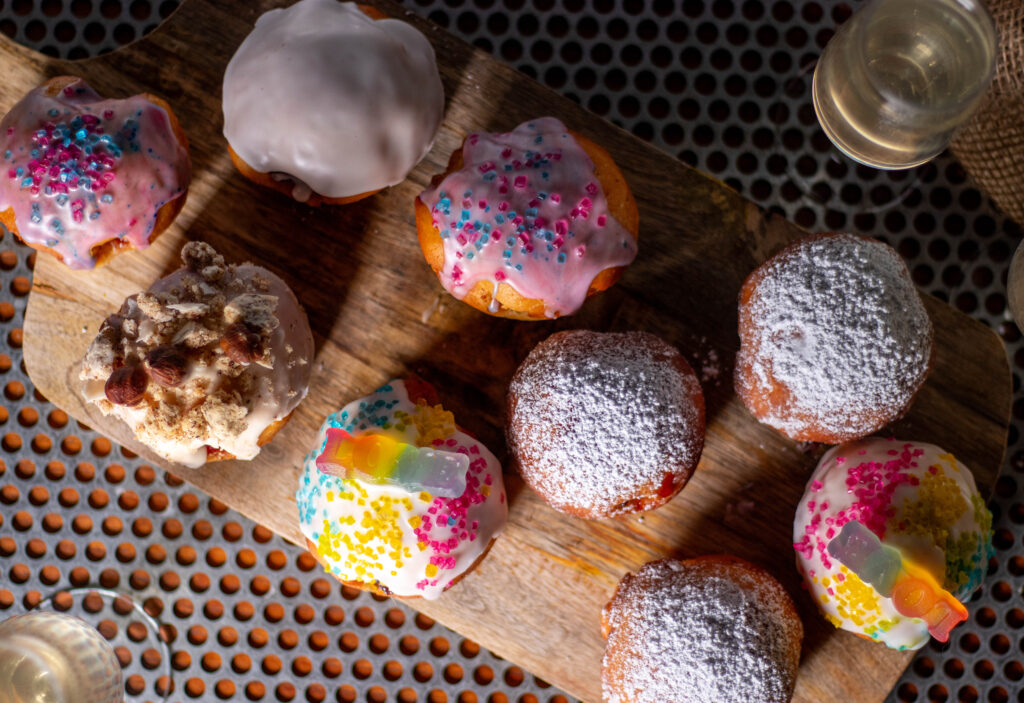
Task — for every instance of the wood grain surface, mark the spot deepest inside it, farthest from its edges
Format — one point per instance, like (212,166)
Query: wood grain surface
(378,312)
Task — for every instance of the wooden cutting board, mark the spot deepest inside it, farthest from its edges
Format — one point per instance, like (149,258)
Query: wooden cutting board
(378,312)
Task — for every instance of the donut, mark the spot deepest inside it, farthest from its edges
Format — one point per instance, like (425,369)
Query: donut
(208,364)
(88,177)
(601,424)
(714,629)
(834,339)
(528,224)
(391,524)
(919,503)
(330,102)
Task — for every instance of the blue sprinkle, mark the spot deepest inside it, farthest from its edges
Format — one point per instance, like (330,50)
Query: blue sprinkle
(541,195)
(467,194)
(531,212)
(55,223)
(490,176)
(54,112)
(26,182)
(538,140)
(107,198)
(469,254)
(519,267)
(499,218)
(507,254)
(442,195)
(508,167)
(81,134)
(550,248)
(465,215)
(561,257)
(95,215)
(62,200)
(544,175)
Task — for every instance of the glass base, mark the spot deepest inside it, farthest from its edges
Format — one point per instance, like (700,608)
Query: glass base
(815,171)
(139,641)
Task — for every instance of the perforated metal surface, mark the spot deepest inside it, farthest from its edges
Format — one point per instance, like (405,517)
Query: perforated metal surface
(722,85)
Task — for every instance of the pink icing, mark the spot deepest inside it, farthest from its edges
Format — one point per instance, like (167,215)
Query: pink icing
(79,170)
(527,210)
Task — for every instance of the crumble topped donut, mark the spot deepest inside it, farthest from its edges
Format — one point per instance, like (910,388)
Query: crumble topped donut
(529,223)
(330,101)
(605,424)
(709,630)
(207,364)
(89,177)
(912,497)
(395,498)
(834,339)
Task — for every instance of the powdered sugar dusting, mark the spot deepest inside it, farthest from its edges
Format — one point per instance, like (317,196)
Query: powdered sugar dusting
(835,325)
(702,632)
(598,421)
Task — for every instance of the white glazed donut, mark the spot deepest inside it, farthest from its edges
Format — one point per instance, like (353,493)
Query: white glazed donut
(336,103)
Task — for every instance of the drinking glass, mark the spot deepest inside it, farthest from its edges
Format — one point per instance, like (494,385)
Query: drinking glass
(900,76)
(50,657)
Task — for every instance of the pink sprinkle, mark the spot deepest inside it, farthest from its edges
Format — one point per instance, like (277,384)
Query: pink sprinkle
(499,276)
(556,198)
(506,152)
(601,219)
(467,203)
(816,485)
(108,115)
(69,92)
(581,250)
(503,206)
(519,182)
(482,204)
(562,227)
(486,166)
(591,189)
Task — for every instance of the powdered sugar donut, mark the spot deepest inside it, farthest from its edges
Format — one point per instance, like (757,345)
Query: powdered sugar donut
(915,498)
(604,424)
(530,223)
(834,339)
(330,102)
(709,630)
(396,513)
(86,177)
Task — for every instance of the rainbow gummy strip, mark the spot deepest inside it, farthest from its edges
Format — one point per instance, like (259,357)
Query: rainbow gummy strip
(379,459)
(914,592)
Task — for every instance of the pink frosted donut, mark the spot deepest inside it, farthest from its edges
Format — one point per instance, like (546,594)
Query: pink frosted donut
(86,177)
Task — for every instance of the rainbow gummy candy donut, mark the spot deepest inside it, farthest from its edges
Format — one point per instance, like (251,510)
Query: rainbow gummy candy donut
(891,538)
(382,502)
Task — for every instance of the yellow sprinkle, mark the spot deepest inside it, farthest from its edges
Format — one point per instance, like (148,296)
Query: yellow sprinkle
(485,490)
(421,545)
(431,571)
(415,521)
(330,496)
(425,497)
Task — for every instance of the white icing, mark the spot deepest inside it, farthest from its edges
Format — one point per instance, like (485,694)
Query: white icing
(333,509)
(873,481)
(343,103)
